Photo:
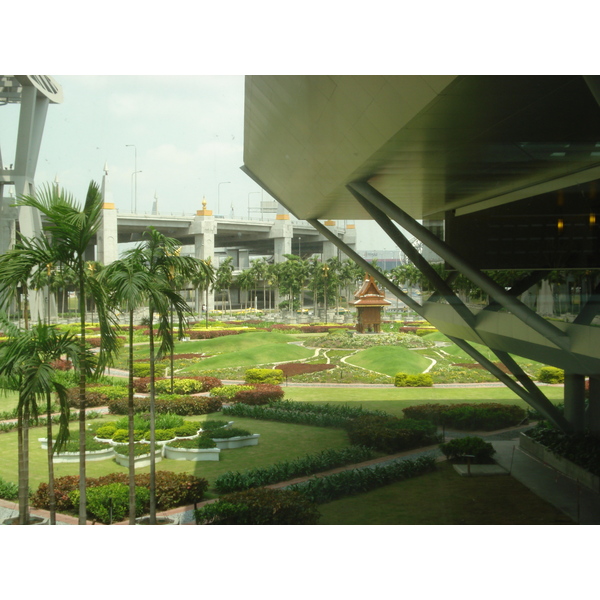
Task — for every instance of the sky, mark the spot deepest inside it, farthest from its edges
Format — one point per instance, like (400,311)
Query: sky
(180,137)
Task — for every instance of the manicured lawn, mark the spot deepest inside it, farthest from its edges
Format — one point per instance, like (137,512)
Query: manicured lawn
(278,442)
(393,400)
(445,498)
(390,360)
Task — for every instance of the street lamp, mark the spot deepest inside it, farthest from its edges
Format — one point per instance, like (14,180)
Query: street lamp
(300,247)
(134,171)
(219,195)
(134,174)
(250,194)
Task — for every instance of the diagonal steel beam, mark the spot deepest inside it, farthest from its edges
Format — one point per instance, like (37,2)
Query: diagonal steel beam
(359,260)
(590,310)
(519,287)
(417,259)
(533,397)
(539,324)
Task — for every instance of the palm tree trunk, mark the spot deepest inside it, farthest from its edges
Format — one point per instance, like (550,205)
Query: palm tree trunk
(152,518)
(23,452)
(82,382)
(51,494)
(130,414)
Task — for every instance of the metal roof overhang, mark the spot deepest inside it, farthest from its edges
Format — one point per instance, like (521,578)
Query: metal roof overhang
(428,143)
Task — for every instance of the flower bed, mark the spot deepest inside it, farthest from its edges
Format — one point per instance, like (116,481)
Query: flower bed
(142,458)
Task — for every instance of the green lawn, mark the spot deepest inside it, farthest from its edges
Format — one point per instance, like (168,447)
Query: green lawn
(278,442)
(390,360)
(445,498)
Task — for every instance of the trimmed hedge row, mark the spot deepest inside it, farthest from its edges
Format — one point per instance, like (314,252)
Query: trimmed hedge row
(419,380)
(356,481)
(172,489)
(179,405)
(487,416)
(205,384)
(262,506)
(273,376)
(234,481)
(583,449)
(390,434)
(479,449)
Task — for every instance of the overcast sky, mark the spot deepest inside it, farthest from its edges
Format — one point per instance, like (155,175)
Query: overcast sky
(184,133)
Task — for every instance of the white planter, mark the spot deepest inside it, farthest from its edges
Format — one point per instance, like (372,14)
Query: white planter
(237,442)
(73,457)
(192,453)
(139,461)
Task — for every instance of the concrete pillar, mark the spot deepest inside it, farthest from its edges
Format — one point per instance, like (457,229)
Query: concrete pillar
(204,229)
(329,251)
(575,400)
(593,412)
(8,220)
(350,236)
(244,258)
(108,249)
(281,233)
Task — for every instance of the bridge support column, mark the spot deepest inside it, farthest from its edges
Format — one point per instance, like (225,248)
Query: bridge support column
(575,401)
(107,247)
(281,233)
(204,228)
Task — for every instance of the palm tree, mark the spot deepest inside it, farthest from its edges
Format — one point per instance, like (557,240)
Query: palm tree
(224,279)
(70,230)
(25,366)
(159,260)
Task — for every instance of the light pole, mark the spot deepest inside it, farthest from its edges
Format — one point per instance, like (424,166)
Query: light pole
(219,195)
(300,247)
(134,171)
(250,194)
(134,174)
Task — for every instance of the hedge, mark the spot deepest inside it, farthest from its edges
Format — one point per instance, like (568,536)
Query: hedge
(487,416)
(179,405)
(390,434)
(261,506)
(419,380)
(172,489)
(142,385)
(273,376)
(357,481)
(234,481)
(551,375)
(480,450)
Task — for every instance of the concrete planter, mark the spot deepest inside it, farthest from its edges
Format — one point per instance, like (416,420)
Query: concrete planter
(195,454)
(564,466)
(140,461)
(73,457)
(237,442)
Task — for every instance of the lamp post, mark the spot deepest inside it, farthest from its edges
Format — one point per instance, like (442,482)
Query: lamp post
(219,195)
(134,171)
(300,247)
(250,194)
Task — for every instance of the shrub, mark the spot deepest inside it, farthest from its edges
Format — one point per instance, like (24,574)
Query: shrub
(106,431)
(583,449)
(110,503)
(180,386)
(122,435)
(61,364)
(234,481)
(226,393)
(355,481)
(221,434)
(142,385)
(261,506)
(212,425)
(141,370)
(263,376)
(172,489)
(390,434)
(179,405)
(161,435)
(406,380)
(486,416)
(479,449)
(196,334)
(187,429)
(551,375)
(261,393)
(8,490)
(200,442)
